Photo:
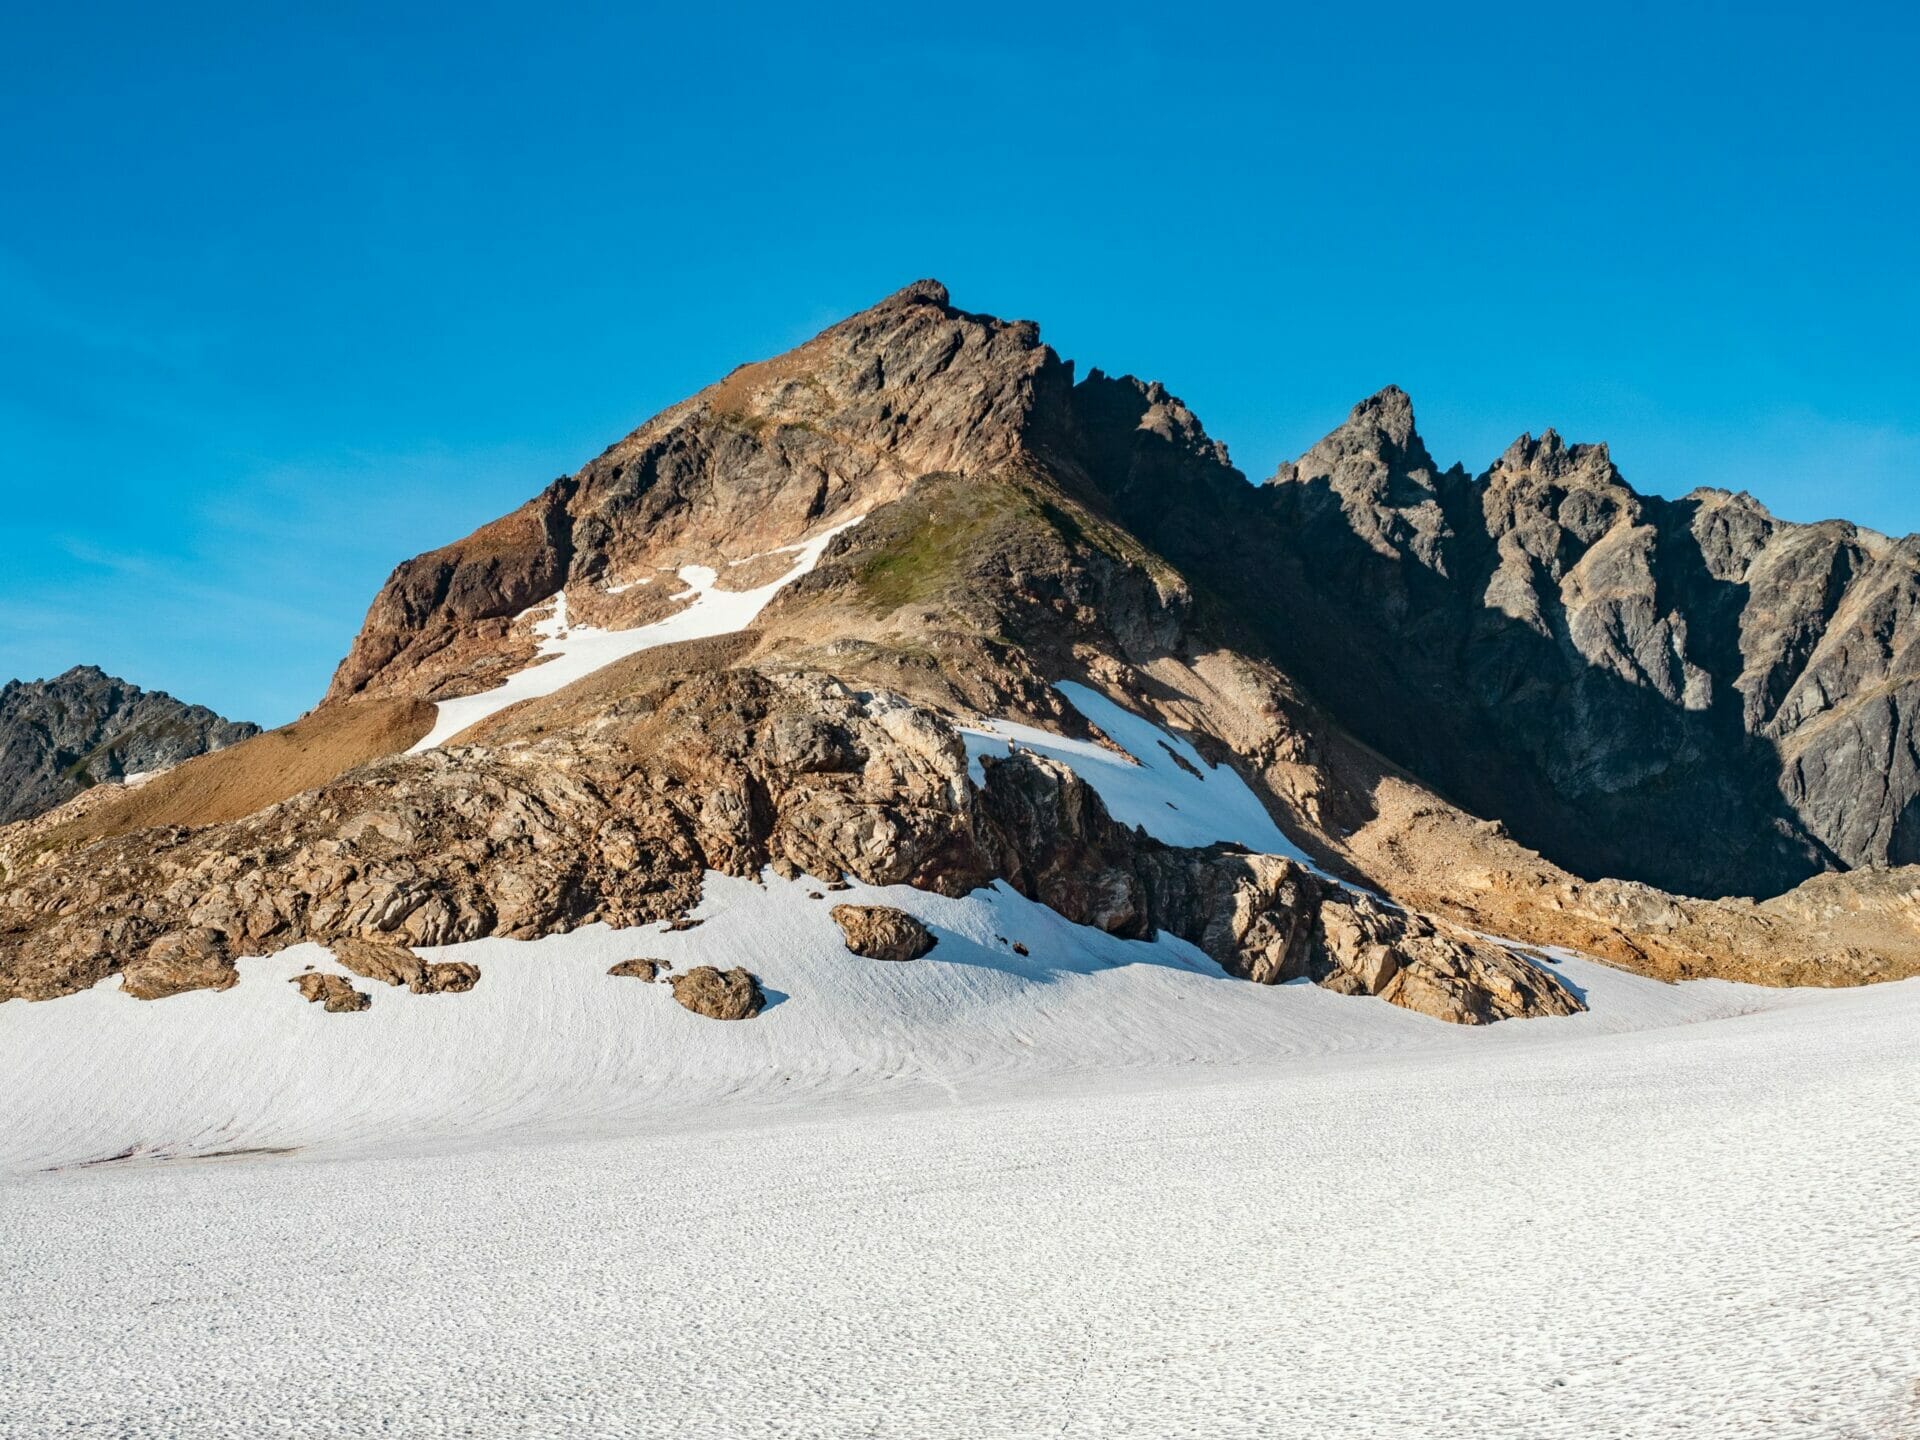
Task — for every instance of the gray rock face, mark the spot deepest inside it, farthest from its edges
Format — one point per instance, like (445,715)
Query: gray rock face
(1688,692)
(59,736)
(1691,693)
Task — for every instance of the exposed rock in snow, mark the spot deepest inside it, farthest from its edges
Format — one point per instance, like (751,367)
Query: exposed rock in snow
(647,970)
(249,1067)
(1159,782)
(719,994)
(334,993)
(195,959)
(881,932)
(1044,1103)
(397,965)
(731,772)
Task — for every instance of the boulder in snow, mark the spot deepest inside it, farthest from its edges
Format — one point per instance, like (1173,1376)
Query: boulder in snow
(179,961)
(719,994)
(397,965)
(881,932)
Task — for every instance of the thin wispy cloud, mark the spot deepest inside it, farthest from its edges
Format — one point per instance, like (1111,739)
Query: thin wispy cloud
(162,580)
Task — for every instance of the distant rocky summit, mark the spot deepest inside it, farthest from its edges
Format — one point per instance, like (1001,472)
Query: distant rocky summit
(830,617)
(59,736)
(1688,692)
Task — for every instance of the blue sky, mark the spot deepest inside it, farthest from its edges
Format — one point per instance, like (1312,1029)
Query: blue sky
(287,296)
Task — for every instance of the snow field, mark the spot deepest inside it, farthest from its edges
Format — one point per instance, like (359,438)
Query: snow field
(99,1074)
(1701,1226)
(1100,1190)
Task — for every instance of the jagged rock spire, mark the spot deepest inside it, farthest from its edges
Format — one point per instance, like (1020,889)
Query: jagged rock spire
(1377,443)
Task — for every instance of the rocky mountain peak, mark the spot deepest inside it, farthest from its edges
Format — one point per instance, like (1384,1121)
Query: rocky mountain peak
(1649,618)
(920,292)
(1388,410)
(1541,490)
(1551,458)
(777,450)
(1372,478)
(84,726)
(631,682)
(1377,453)
(1115,411)
(78,675)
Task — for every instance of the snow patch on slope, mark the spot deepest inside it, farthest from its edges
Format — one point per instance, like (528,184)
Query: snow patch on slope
(548,1040)
(573,652)
(1187,804)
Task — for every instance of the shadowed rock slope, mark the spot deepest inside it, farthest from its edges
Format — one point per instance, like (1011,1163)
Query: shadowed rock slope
(1016,528)
(1690,693)
(59,736)
(1687,692)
